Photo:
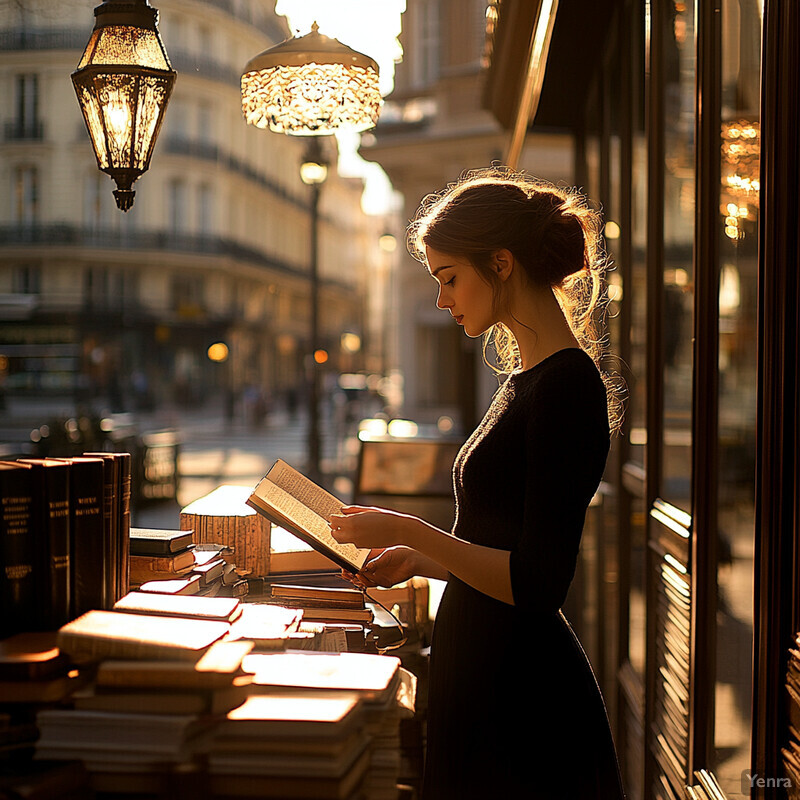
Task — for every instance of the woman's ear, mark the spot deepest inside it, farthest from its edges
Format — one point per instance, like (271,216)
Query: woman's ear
(503,264)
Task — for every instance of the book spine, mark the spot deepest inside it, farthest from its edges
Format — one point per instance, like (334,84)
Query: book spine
(55,542)
(109,519)
(18,595)
(87,509)
(84,649)
(124,526)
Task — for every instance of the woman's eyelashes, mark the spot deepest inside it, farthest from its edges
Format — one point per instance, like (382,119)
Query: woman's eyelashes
(451,282)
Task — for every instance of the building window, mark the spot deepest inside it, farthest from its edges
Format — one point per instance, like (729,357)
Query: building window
(26,195)
(205,210)
(205,123)
(109,289)
(26,123)
(27,279)
(187,296)
(424,66)
(176,205)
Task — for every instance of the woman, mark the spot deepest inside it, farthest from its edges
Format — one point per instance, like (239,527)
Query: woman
(514,709)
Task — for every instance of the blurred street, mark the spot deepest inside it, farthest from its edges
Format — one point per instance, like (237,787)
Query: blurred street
(215,451)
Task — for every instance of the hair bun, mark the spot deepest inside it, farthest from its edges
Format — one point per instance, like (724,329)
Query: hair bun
(562,240)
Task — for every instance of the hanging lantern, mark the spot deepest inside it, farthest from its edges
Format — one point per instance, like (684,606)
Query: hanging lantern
(311,85)
(123,83)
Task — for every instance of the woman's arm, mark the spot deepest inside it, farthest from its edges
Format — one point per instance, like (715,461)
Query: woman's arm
(394,565)
(484,568)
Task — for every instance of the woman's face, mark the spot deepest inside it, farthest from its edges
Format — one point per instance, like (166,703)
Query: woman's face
(463,292)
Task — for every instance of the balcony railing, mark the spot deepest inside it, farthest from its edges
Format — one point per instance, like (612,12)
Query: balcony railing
(63,235)
(43,39)
(19,131)
(76,236)
(208,151)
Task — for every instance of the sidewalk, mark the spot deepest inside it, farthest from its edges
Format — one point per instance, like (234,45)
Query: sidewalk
(215,451)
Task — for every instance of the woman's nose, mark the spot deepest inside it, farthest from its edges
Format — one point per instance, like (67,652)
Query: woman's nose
(441,300)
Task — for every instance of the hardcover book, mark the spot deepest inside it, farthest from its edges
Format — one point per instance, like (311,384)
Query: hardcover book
(175,563)
(215,669)
(158,542)
(177,701)
(52,477)
(31,656)
(18,570)
(87,554)
(322,596)
(289,499)
(177,586)
(224,609)
(98,635)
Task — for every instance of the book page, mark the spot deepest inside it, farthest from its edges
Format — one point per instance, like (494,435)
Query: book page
(306,491)
(306,506)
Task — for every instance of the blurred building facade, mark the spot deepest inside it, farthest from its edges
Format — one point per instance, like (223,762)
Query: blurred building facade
(97,305)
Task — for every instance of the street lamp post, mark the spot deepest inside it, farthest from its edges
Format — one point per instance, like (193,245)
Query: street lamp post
(313,172)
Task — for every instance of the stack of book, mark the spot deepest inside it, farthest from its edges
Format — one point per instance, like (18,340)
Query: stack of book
(122,751)
(791,753)
(223,517)
(34,673)
(163,675)
(162,555)
(168,562)
(338,616)
(64,526)
(214,684)
(298,744)
(386,690)
(324,604)
(706,788)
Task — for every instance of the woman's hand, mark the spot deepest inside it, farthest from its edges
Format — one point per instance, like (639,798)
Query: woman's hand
(388,568)
(372,528)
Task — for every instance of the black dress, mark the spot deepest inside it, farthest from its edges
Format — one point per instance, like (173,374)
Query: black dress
(514,710)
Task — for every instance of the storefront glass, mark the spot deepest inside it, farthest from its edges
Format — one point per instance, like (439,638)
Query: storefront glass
(738,235)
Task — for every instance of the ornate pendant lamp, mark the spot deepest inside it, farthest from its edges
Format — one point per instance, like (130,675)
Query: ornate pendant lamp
(311,85)
(123,82)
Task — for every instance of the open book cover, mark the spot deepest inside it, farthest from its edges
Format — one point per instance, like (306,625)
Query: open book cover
(289,499)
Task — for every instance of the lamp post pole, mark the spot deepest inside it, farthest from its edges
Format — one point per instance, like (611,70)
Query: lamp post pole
(313,395)
(313,172)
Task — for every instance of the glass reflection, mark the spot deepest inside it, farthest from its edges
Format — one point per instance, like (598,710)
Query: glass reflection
(738,233)
(678,296)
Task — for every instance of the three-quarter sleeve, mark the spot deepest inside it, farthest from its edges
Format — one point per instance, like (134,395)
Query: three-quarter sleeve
(566,446)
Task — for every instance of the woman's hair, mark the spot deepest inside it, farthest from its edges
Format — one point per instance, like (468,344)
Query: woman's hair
(553,234)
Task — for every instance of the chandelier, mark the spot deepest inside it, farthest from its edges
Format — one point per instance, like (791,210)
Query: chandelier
(123,82)
(311,85)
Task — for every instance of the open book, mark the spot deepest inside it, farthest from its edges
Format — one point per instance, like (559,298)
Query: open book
(292,501)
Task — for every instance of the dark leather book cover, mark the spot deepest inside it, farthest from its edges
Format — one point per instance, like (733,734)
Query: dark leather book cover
(87,555)
(158,542)
(110,522)
(124,526)
(18,586)
(54,539)
(121,524)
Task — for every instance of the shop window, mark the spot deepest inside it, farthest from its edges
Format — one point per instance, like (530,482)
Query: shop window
(738,292)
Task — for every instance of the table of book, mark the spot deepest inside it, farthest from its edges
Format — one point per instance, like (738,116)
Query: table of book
(281,692)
